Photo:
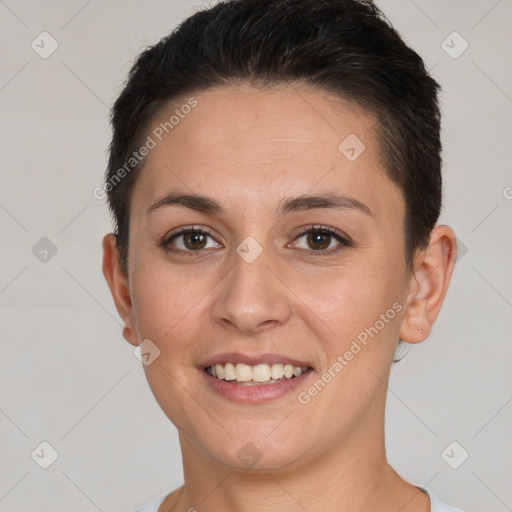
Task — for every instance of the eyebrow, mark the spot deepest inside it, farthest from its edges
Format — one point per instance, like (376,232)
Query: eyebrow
(288,205)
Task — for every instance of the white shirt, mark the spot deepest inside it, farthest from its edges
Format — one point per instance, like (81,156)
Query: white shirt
(436,504)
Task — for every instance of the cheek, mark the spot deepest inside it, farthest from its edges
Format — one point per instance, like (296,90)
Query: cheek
(171,308)
(353,299)
(160,298)
(167,308)
(360,317)
(162,307)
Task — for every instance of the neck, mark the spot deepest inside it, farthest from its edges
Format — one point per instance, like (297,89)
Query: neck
(354,475)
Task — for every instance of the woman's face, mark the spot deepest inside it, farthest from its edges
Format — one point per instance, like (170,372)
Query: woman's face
(254,287)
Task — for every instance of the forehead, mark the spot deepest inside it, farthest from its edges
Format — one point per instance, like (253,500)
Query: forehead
(250,145)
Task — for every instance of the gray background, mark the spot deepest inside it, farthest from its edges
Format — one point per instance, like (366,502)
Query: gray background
(67,376)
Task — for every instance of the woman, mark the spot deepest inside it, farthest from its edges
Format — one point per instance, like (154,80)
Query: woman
(275,181)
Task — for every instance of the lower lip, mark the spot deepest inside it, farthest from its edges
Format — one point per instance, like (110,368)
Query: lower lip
(256,393)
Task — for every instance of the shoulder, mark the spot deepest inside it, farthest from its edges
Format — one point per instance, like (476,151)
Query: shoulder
(438,506)
(153,506)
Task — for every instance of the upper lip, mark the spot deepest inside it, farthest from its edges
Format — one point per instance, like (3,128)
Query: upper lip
(253,359)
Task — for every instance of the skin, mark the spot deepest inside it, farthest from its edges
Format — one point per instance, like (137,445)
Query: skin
(248,149)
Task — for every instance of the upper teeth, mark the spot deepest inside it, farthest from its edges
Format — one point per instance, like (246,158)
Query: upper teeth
(259,373)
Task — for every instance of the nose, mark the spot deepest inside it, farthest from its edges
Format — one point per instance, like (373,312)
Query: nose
(252,298)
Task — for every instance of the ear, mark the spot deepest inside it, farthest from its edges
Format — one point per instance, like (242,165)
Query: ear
(118,284)
(433,268)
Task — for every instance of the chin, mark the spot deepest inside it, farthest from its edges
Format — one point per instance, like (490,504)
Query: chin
(255,453)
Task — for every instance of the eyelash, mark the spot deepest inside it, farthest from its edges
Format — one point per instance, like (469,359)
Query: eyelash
(316,229)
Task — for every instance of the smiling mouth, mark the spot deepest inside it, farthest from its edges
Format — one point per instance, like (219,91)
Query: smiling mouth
(255,375)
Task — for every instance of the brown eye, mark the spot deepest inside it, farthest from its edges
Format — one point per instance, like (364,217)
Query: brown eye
(194,241)
(318,241)
(189,240)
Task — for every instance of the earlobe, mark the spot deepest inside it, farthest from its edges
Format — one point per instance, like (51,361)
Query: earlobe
(119,288)
(433,268)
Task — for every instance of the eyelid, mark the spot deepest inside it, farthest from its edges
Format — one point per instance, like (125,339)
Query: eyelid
(186,229)
(321,228)
(182,230)
(343,239)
